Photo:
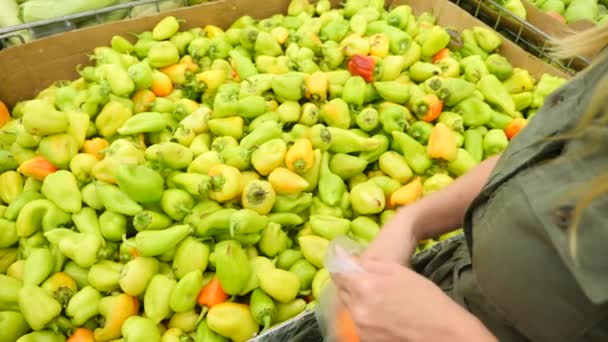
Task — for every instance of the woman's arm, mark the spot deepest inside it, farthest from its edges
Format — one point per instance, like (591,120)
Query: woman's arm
(439,213)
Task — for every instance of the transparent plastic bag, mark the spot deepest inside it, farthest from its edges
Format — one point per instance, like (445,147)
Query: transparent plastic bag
(338,259)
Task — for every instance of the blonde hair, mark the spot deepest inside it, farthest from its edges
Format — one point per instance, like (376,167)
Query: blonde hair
(589,42)
(584,43)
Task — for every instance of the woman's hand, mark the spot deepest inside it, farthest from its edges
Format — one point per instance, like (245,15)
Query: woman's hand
(395,242)
(390,302)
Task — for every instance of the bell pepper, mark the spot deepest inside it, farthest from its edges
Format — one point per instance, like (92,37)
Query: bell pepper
(436,39)
(394,165)
(486,38)
(233,321)
(547,85)
(183,321)
(499,66)
(215,222)
(265,44)
(333,56)
(331,186)
(169,154)
(157,297)
(82,248)
(247,221)
(373,155)
(312,175)
(225,183)
(474,68)
(413,151)
(436,183)
(136,275)
(42,335)
(262,308)
(426,107)
(289,111)
(515,127)
(355,44)
(421,71)
(473,143)
(39,214)
(90,196)
(522,100)
(346,166)
(204,162)
(285,181)
(9,262)
(40,118)
(450,90)
(336,113)
(316,86)
(83,305)
(288,87)
(163,54)
(269,156)
(329,227)
(183,297)
(37,306)
(203,333)
(363,66)
(394,117)
(137,328)
(494,142)
(393,91)
(86,221)
(287,220)
(364,228)
(520,81)
(279,284)
(288,258)
(7,161)
(367,198)
(348,141)
(230,126)
(82,165)
(157,242)
(112,225)
(334,30)
(453,120)
(115,200)
(313,248)
(191,255)
(407,194)
(305,272)
(15,206)
(289,310)
(495,93)
(8,233)
(470,47)
(38,266)
(116,310)
(258,196)
(232,267)
(266,131)
(474,112)
(274,240)
(9,297)
(13,325)
(463,162)
(442,143)
(11,185)
(367,119)
(112,116)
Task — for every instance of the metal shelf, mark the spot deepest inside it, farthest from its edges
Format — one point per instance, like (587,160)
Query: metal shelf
(44,28)
(521,32)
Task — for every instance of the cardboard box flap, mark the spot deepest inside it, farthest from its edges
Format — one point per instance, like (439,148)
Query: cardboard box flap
(30,68)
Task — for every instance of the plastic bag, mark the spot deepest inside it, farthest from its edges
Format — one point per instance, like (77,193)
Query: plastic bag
(338,259)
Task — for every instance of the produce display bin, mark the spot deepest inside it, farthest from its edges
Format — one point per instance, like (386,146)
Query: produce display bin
(45,28)
(30,68)
(54,58)
(533,35)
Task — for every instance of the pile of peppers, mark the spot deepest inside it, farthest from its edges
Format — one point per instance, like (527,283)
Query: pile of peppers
(186,186)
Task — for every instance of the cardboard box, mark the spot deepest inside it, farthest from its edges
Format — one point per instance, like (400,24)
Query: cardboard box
(28,69)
